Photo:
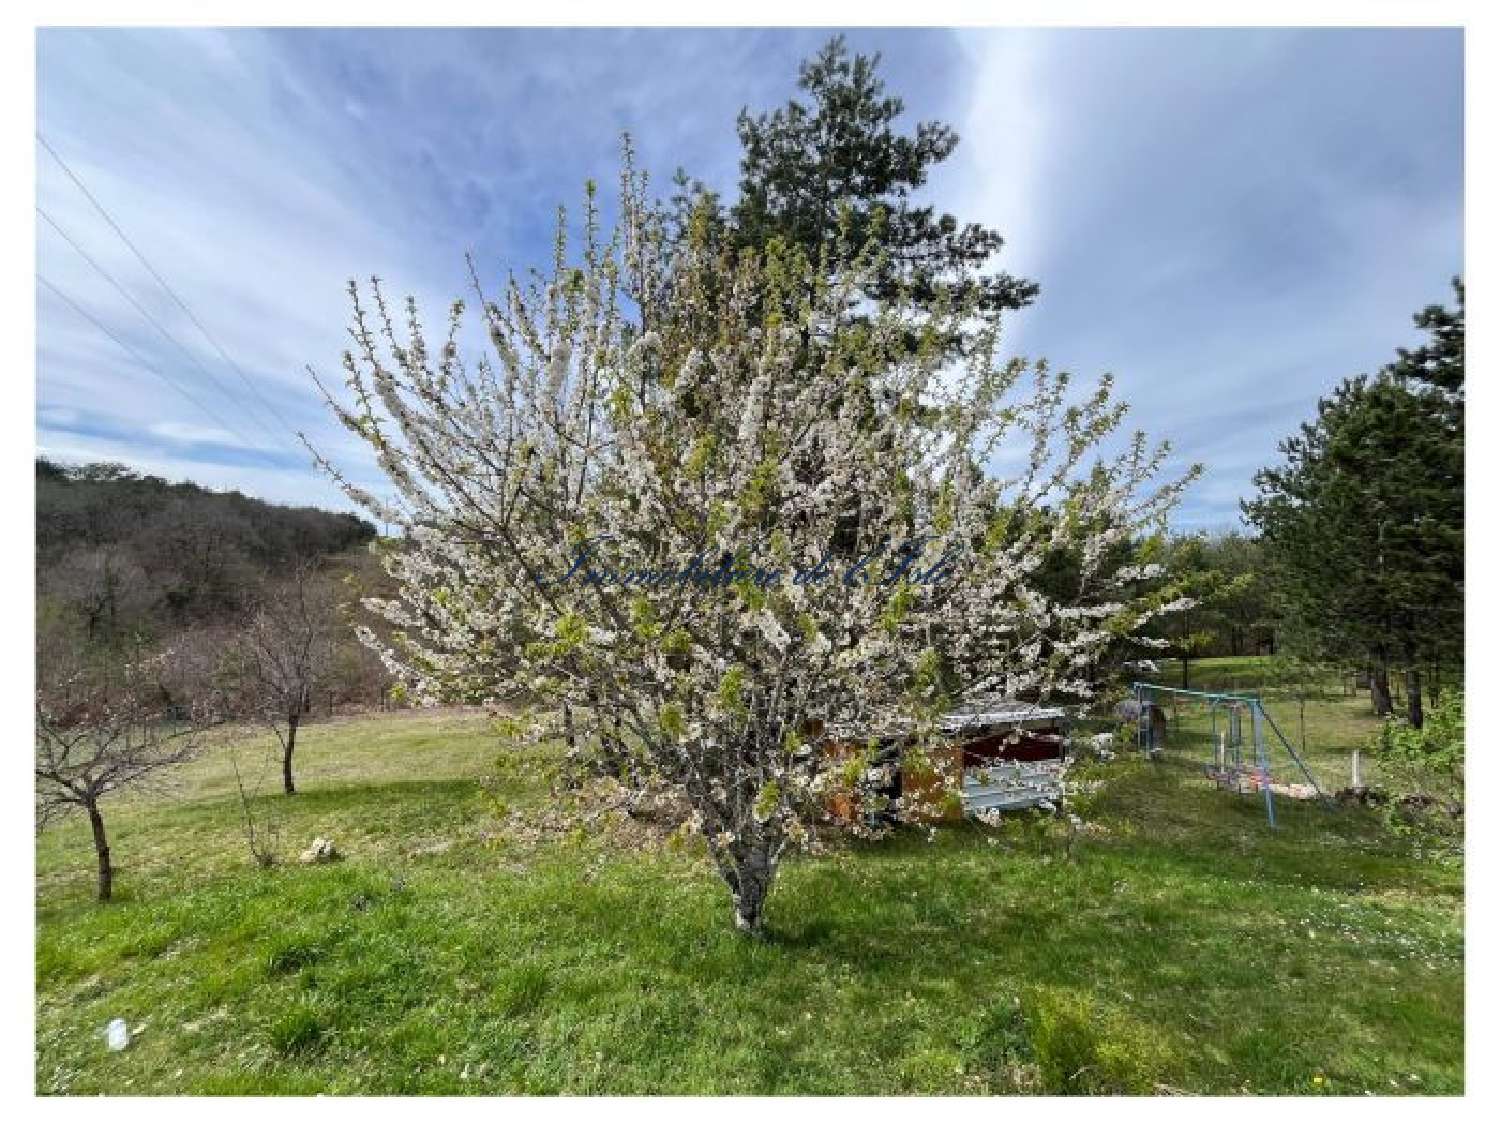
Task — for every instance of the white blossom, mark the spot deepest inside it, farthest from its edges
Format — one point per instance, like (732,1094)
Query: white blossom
(658,400)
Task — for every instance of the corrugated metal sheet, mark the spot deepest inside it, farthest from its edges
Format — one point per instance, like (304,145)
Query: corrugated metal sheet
(1011,785)
(1001,711)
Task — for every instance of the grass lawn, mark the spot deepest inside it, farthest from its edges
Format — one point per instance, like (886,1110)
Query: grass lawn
(1184,947)
(1325,727)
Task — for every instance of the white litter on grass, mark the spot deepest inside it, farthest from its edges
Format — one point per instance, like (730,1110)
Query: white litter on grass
(117,1035)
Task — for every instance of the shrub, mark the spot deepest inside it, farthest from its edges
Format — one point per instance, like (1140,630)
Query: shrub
(1424,768)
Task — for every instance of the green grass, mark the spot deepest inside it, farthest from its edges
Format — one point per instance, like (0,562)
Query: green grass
(1324,727)
(1184,947)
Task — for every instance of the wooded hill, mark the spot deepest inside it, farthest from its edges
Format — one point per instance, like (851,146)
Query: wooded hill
(126,555)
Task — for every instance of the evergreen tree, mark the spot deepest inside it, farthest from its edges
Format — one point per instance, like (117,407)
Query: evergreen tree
(1215,577)
(835,167)
(1439,365)
(1246,612)
(1364,521)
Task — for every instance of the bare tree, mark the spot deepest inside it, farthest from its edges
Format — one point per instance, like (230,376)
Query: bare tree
(286,653)
(105,587)
(261,834)
(98,731)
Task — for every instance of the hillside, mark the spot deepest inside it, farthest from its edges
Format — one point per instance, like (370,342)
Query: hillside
(121,554)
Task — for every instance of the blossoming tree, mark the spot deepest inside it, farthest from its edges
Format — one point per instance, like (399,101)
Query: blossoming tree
(730,519)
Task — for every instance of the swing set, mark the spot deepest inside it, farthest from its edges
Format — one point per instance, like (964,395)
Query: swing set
(1235,766)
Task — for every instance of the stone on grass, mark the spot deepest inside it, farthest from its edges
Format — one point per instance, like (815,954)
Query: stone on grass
(322,850)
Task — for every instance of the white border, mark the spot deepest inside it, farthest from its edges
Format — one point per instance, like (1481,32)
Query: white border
(18,442)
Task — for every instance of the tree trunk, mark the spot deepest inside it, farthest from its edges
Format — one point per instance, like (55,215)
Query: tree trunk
(570,738)
(1184,672)
(1414,697)
(748,869)
(286,757)
(754,883)
(101,849)
(1380,687)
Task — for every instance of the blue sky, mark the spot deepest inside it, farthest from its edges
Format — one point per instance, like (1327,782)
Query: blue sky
(1229,221)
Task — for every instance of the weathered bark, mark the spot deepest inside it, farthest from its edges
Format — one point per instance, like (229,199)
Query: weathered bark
(1380,687)
(752,884)
(1414,697)
(286,755)
(101,850)
(748,867)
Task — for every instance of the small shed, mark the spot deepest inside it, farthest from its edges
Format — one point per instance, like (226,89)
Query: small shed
(1003,755)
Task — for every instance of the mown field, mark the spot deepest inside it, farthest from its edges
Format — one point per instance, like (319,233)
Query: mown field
(1183,947)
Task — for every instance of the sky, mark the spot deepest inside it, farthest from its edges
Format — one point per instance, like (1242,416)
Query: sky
(1228,221)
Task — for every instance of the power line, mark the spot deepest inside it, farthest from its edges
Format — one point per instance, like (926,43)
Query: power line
(138,357)
(134,303)
(115,226)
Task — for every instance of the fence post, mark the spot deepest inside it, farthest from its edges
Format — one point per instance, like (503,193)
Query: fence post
(1263,762)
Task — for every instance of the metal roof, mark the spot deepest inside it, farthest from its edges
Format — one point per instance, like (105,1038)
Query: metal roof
(976,713)
(999,711)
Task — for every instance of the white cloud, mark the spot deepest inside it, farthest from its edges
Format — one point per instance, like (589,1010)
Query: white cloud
(1001,168)
(185,433)
(1230,220)
(220,172)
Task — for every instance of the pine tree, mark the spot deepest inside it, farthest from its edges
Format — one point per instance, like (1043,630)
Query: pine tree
(1364,521)
(1439,364)
(835,167)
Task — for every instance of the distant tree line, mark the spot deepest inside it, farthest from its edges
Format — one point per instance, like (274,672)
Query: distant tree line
(120,554)
(130,566)
(1235,610)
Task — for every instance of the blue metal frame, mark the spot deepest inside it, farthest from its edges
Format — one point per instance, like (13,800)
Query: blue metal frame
(1259,720)
(1263,762)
